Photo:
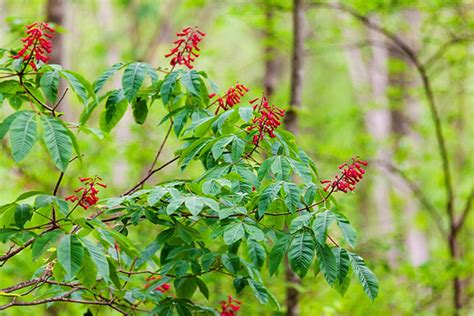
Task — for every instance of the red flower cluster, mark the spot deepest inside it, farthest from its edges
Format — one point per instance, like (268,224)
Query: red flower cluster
(351,175)
(267,119)
(89,192)
(231,98)
(230,306)
(162,288)
(37,44)
(186,48)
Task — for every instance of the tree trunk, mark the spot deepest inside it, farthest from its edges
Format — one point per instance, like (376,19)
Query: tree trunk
(291,123)
(270,52)
(405,116)
(55,12)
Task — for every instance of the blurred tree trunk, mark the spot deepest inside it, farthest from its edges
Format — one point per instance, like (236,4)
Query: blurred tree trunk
(122,131)
(291,123)
(370,80)
(56,13)
(163,31)
(405,116)
(270,51)
(378,124)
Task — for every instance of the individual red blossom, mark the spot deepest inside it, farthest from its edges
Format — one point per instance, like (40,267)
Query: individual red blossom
(186,48)
(37,44)
(229,307)
(266,120)
(231,98)
(350,176)
(89,192)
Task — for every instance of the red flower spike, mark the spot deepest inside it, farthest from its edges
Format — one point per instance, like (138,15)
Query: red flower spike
(229,307)
(266,120)
(89,196)
(37,44)
(186,48)
(351,175)
(231,98)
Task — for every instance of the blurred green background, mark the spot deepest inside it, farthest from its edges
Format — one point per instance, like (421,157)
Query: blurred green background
(360,98)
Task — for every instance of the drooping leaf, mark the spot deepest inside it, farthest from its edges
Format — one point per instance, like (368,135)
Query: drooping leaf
(259,291)
(301,252)
(277,253)
(194,205)
(70,254)
(132,79)
(6,123)
(366,277)
(78,84)
(140,111)
(327,262)
(115,108)
(58,141)
(97,255)
(167,87)
(321,224)
(292,196)
(49,83)
(100,82)
(256,253)
(349,233)
(23,213)
(23,134)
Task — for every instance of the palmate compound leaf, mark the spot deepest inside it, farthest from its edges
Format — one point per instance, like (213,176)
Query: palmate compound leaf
(301,251)
(366,277)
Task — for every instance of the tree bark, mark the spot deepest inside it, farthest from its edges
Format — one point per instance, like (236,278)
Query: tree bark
(269,51)
(291,123)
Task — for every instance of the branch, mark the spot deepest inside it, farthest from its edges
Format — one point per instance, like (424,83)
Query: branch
(148,176)
(426,87)
(468,206)
(417,192)
(444,48)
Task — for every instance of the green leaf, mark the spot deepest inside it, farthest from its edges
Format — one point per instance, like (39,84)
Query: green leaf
(174,205)
(267,197)
(342,263)
(115,108)
(254,232)
(321,224)
(44,242)
(190,80)
(233,233)
(366,277)
(100,82)
(57,140)
(219,146)
(23,213)
(77,83)
(202,287)
(237,149)
(185,287)
(155,245)
(132,79)
(167,87)
(98,257)
(49,83)
(70,254)
(155,195)
(6,123)
(152,73)
(349,233)
(23,134)
(256,253)
(277,253)
(292,196)
(301,252)
(327,262)
(259,291)
(194,205)
(246,113)
(88,272)
(140,111)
